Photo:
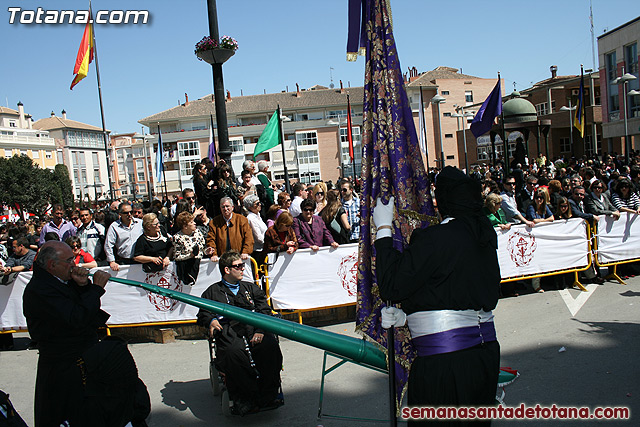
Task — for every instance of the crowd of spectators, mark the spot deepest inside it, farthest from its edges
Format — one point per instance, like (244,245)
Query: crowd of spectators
(544,191)
(245,212)
(222,212)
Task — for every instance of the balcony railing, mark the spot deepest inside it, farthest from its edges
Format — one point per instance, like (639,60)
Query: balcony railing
(27,139)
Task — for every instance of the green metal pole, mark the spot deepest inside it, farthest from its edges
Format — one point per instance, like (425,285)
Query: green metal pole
(358,350)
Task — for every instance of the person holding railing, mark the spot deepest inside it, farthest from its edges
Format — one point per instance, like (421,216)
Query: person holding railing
(494,212)
(624,199)
(280,237)
(310,229)
(539,211)
(598,203)
(153,249)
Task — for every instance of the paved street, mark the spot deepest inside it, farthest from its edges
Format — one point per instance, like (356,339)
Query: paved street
(599,367)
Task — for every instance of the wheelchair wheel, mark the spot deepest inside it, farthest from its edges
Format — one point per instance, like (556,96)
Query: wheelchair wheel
(226,404)
(214,377)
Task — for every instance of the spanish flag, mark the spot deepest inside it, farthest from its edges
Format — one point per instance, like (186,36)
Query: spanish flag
(85,56)
(580,115)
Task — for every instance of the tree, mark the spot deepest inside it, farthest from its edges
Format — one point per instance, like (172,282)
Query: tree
(24,185)
(64,189)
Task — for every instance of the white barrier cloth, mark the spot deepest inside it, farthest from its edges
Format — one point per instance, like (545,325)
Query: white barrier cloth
(618,240)
(126,304)
(307,279)
(547,247)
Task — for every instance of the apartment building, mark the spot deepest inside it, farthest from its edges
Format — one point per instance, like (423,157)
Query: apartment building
(315,131)
(18,137)
(131,171)
(618,56)
(81,148)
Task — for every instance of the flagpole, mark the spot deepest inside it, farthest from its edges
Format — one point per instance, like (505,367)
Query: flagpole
(164,176)
(424,129)
(350,139)
(504,138)
(284,157)
(104,129)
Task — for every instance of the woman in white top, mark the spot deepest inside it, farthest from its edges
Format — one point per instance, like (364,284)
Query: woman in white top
(253,205)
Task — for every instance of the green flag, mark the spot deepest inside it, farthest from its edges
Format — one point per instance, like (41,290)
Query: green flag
(270,136)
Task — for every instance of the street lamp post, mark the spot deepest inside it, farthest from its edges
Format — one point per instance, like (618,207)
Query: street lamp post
(438,99)
(624,81)
(570,109)
(464,131)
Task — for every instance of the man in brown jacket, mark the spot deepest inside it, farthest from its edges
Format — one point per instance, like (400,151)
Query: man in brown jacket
(229,231)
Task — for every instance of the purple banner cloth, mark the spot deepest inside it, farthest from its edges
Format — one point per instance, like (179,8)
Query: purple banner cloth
(392,165)
(491,108)
(454,339)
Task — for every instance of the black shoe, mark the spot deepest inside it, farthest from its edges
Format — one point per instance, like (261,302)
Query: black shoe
(33,345)
(243,407)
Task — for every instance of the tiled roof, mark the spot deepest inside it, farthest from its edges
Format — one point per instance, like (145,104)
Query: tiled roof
(6,110)
(554,80)
(429,78)
(259,104)
(55,122)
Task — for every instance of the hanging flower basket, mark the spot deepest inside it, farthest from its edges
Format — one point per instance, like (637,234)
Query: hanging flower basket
(214,52)
(215,56)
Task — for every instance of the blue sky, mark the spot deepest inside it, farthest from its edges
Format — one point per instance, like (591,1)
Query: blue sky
(148,68)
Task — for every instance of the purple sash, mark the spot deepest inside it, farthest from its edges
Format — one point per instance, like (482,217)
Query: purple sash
(454,339)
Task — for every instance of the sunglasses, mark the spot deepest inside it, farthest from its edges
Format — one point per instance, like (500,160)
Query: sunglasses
(190,198)
(344,190)
(509,183)
(74,218)
(320,193)
(308,210)
(126,213)
(540,197)
(75,246)
(238,266)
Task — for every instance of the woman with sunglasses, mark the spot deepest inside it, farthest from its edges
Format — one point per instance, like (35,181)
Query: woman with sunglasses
(563,210)
(80,257)
(624,199)
(598,203)
(310,229)
(538,210)
(320,197)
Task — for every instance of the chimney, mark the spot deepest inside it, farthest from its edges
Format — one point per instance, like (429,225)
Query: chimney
(22,124)
(341,87)
(228,96)
(554,71)
(64,115)
(53,114)
(29,122)
(298,94)
(186,97)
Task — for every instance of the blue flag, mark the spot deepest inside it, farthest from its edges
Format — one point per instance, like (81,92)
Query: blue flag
(159,163)
(491,108)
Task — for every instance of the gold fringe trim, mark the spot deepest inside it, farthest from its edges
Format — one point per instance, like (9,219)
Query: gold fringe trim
(352,56)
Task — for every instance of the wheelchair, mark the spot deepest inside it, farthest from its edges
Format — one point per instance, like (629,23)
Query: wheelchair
(219,388)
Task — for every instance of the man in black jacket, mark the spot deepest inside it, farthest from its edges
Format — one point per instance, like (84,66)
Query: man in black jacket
(80,380)
(249,357)
(447,280)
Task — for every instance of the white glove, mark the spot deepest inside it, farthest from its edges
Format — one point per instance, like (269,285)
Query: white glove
(383,216)
(393,316)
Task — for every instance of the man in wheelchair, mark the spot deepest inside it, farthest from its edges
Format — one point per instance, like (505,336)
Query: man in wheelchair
(249,358)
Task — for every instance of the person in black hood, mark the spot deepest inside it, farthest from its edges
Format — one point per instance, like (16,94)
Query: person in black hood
(447,280)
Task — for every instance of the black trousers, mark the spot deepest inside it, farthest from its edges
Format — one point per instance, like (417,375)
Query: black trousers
(462,378)
(244,382)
